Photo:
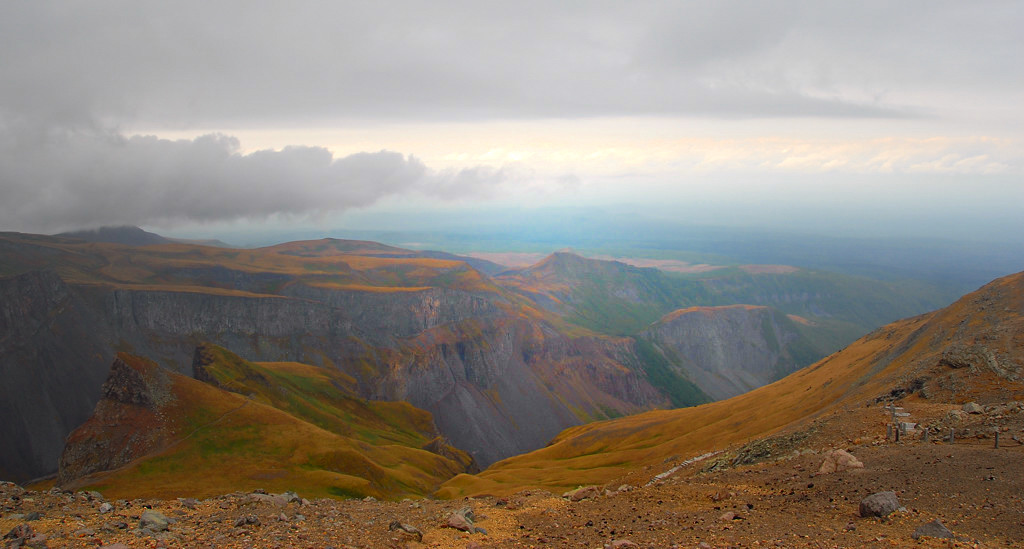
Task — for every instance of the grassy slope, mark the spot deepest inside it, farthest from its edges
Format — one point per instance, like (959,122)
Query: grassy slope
(600,452)
(295,431)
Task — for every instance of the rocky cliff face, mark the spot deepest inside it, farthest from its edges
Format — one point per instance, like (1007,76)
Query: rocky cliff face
(126,423)
(496,387)
(730,350)
(499,375)
(54,355)
(497,384)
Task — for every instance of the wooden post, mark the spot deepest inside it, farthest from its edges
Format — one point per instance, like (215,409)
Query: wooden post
(898,429)
(997,439)
(888,432)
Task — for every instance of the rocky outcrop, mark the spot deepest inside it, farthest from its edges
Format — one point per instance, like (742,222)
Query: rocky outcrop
(126,423)
(838,461)
(732,349)
(441,447)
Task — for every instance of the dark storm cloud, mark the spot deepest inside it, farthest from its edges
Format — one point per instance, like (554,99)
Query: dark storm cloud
(201,63)
(64,179)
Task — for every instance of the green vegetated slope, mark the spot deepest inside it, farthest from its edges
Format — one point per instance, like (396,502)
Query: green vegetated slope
(275,426)
(663,370)
(320,396)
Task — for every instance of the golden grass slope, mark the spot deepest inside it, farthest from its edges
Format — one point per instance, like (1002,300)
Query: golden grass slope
(279,427)
(192,267)
(985,329)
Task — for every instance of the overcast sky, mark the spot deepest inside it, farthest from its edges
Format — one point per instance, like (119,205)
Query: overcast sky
(194,116)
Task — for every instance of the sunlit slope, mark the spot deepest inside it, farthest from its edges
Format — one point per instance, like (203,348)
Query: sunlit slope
(320,396)
(975,347)
(166,435)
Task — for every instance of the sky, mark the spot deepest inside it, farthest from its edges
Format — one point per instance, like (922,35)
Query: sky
(216,118)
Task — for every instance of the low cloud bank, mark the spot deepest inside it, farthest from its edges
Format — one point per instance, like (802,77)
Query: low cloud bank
(59,178)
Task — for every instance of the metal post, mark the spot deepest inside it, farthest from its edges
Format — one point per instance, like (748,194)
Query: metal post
(952,435)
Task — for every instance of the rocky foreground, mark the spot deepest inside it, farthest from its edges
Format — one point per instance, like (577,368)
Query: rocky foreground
(882,494)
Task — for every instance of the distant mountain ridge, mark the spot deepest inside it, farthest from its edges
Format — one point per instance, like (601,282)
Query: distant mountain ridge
(131,235)
(328,247)
(615,298)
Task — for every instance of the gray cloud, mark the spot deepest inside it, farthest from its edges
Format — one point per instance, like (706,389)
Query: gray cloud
(76,73)
(62,179)
(230,63)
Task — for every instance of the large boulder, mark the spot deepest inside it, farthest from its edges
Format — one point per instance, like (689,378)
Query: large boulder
(153,521)
(461,520)
(973,408)
(585,492)
(880,504)
(838,461)
(934,529)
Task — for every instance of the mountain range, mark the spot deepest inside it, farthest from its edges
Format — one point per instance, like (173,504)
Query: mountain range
(501,361)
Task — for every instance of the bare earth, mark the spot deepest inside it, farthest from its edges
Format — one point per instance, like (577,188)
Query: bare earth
(971,487)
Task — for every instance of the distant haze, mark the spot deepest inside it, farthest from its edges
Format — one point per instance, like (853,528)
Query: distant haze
(233,118)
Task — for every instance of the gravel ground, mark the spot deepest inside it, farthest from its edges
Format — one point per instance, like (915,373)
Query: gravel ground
(972,488)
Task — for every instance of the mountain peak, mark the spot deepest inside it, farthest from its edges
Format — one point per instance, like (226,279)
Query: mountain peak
(129,235)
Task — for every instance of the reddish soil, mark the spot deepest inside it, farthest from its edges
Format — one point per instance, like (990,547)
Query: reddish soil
(973,488)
